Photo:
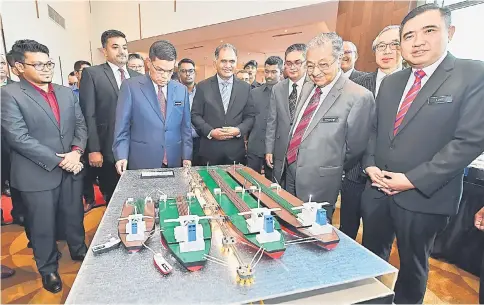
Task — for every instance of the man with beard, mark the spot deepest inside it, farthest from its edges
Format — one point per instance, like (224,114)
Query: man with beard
(98,95)
(45,129)
(261,96)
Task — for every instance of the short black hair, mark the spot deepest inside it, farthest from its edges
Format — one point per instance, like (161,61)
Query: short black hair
(251,63)
(174,76)
(10,60)
(186,61)
(20,47)
(224,46)
(135,55)
(110,34)
(301,47)
(163,50)
(274,60)
(241,71)
(445,13)
(78,64)
(72,73)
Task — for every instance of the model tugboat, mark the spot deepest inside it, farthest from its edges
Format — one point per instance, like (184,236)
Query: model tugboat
(185,230)
(254,224)
(303,219)
(136,223)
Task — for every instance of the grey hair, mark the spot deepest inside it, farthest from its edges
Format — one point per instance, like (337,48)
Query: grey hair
(352,46)
(385,29)
(300,47)
(324,39)
(224,46)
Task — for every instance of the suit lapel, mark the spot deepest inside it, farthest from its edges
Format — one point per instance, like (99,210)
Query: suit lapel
(285,94)
(132,73)
(110,75)
(431,86)
(306,91)
(170,92)
(148,90)
(327,103)
(63,103)
(395,97)
(373,82)
(216,94)
(39,99)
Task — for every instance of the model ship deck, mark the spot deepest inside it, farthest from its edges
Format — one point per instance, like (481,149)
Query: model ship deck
(147,209)
(173,209)
(270,198)
(232,203)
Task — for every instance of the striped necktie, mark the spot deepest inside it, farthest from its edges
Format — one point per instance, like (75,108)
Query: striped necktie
(225,95)
(409,98)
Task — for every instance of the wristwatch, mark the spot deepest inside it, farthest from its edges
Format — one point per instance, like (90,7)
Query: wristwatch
(80,151)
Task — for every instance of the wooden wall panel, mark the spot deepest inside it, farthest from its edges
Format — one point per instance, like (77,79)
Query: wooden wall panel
(361,21)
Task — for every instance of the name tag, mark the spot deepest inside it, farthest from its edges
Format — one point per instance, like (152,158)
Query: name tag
(178,103)
(433,100)
(330,119)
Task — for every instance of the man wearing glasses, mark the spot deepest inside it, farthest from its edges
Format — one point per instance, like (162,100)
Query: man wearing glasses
(136,63)
(187,74)
(350,56)
(331,127)
(153,126)
(389,60)
(45,129)
(282,107)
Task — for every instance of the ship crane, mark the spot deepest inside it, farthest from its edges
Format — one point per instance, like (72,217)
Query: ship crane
(261,221)
(313,216)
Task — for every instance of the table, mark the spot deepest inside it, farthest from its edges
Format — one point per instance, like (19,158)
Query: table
(347,274)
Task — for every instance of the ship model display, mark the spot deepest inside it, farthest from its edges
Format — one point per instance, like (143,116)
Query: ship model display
(306,220)
(136,223)
(185,230)
(254,224)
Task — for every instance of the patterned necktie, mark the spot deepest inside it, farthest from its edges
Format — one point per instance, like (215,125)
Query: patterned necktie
(225,95)
(123,77)
(302,126)
(409,98)
(293,101)
(162,101)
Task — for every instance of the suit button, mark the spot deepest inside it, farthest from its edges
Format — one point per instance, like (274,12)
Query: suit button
(62,137)
(392,147)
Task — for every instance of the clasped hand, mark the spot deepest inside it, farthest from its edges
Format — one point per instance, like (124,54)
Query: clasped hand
(388,182)
(225,133)
(71,162)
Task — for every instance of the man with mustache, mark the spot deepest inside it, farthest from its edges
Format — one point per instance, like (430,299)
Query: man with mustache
(222,112)
(389,60)
(98,94)
(428,129)
(350,56)
(261,97)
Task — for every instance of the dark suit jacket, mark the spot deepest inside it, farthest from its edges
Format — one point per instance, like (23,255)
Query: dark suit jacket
(355,74)
(98,95)
(261,97)
(9,81)
(441,134)
(208,113)
(255,84)
(355,173)
(34,136)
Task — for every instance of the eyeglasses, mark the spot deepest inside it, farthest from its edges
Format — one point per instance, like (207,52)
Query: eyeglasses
(321,66)
(297,64)
(160,70)
(187,71)
(381,47)
(41,66)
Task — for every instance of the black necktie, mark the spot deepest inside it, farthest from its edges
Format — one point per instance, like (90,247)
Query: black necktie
(293,101)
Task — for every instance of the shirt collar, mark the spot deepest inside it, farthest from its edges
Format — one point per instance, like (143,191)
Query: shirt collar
(431,69)
(299,83)
(40,90)
(221,81)
(348,73)
(116,68)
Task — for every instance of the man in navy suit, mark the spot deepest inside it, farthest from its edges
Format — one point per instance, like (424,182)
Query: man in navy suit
(153,125)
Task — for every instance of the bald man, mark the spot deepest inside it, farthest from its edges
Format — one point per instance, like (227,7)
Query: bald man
(350,56)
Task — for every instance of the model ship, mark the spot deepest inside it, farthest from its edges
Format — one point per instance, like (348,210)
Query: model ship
(185,230)
(136,223)
(305,220)
(255,225)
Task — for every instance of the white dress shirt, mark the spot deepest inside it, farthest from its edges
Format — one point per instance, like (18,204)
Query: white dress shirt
(117,74)
(348,73)
(299,86)
(324,92)
(380,75)
(163,89)
(428,73)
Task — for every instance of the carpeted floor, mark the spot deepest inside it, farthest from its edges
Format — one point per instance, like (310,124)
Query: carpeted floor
(447,283)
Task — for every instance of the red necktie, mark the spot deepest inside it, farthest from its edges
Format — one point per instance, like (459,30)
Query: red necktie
(301,127)
(162,101)
(409,98)
(122,74)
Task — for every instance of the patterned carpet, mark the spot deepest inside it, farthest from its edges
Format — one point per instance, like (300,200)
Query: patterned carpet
(447,283)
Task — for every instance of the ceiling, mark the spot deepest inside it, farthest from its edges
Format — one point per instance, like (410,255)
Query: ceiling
(253,37)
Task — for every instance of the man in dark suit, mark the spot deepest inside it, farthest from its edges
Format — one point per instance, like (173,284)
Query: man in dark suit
(45,128)
(98,95)
(428,129)
(261,97)
(251,68)
(222,112)
(350,56)
(389,60)
(5,80)
(153,126)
